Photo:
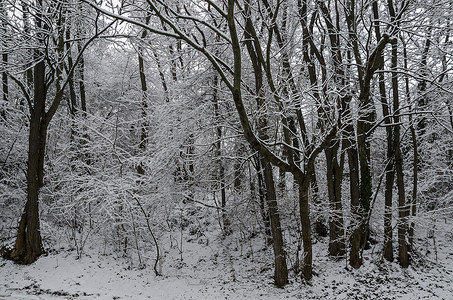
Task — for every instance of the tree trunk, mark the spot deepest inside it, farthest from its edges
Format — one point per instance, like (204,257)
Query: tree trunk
(144,126)
(366,119)
(413,203)
(143,108)
(403,210)
(28,246)
(350,144)
(389,179)
(389,168)
(280,270)
(334,178)
(72,93)
(306,229)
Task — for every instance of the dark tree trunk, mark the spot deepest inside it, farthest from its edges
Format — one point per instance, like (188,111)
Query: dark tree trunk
(366,119)
(280,270)
(403,210)
(72,92)
(389,167)
(389,180)
(304,212)
(363,146)
(281,185)
(143,108)
(334,178)
(349,143)
(28,246)
(144,126)
(413,202)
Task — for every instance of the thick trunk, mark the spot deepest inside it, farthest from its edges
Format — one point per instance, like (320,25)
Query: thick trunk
(237,166)
(403,210)
(281,186)
(281,270)
(361,231)
(355,259)
(389,175)
(28,245)
(336,229)
(306,230)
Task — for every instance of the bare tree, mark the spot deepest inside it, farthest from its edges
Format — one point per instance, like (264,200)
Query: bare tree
(47,71)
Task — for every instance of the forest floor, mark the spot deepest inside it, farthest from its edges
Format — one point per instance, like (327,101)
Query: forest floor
(210,270)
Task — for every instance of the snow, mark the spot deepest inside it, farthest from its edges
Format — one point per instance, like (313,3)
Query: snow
(220,270)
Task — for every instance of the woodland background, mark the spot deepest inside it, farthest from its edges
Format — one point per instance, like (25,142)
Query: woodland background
(140,125)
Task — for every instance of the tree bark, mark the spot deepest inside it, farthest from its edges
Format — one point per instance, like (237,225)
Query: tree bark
(403,210)
(366,119)
(28,246)
(304,211)
(350,144)
(334,178)
(389,168)
(280,269)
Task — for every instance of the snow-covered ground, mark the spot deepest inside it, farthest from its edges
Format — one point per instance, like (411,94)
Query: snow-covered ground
(215,271)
